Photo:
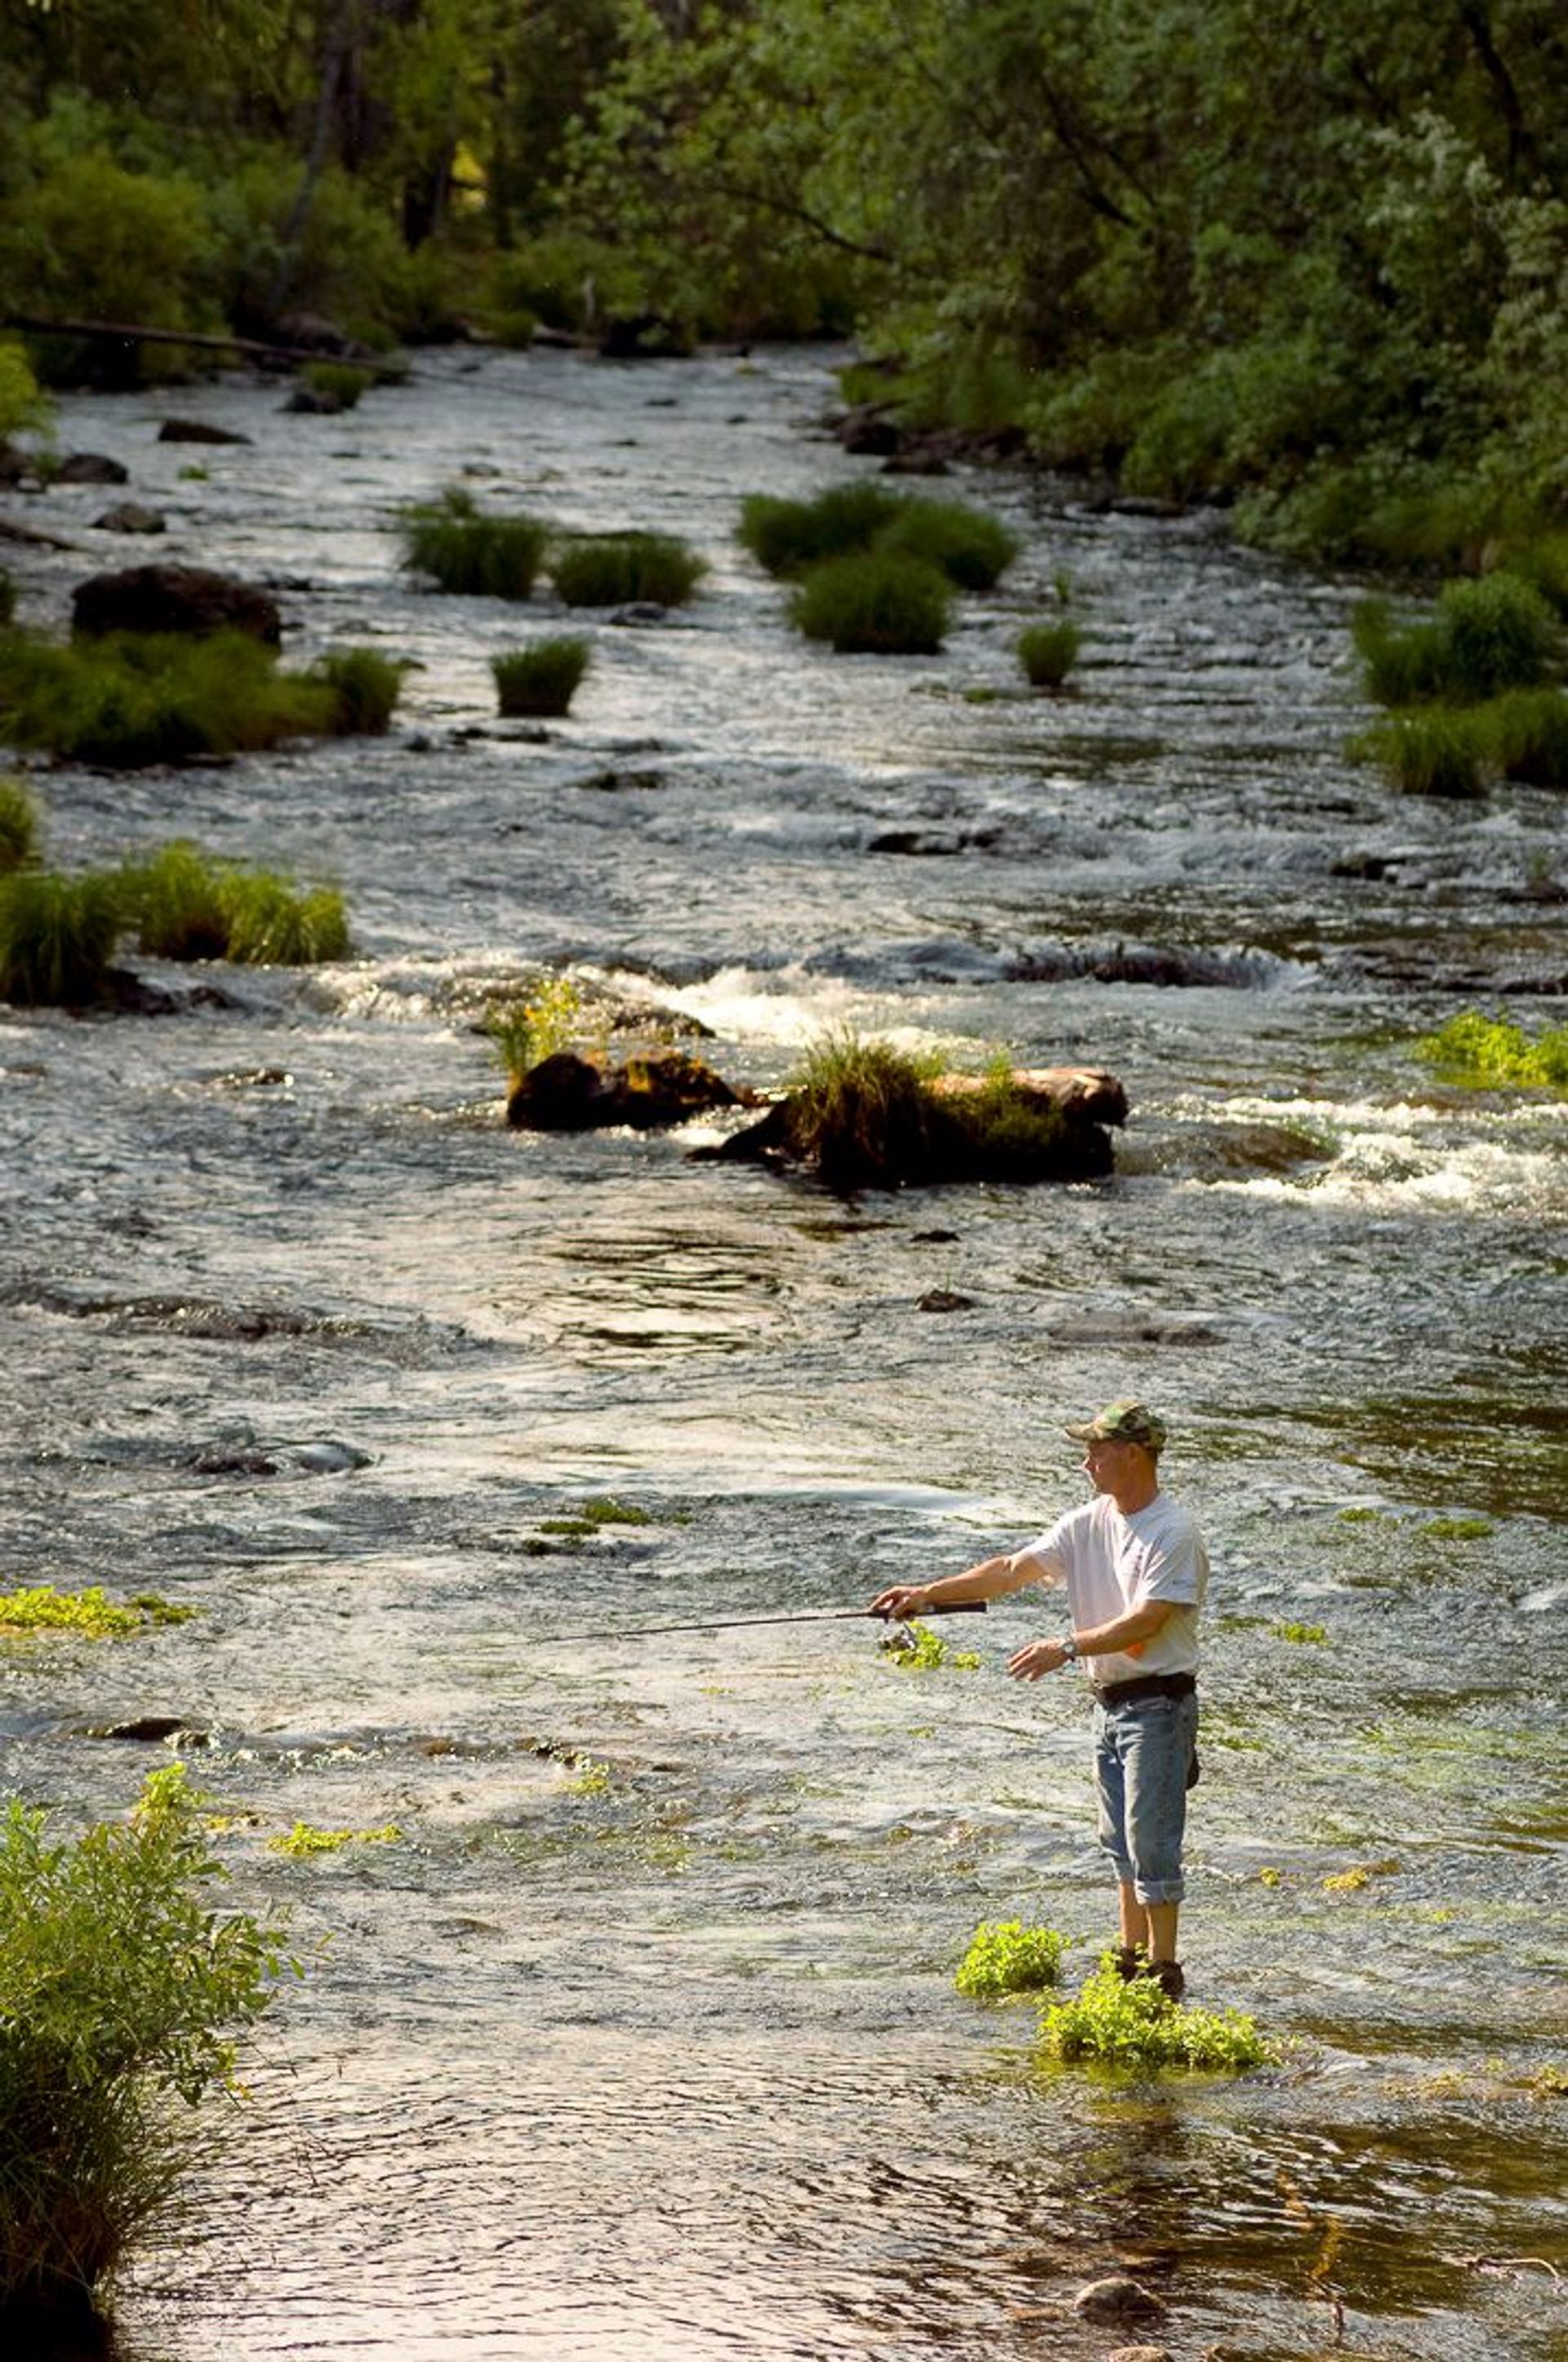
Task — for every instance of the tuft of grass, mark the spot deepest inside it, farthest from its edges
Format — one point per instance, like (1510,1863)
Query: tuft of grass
(19,827)
(868,1116)
(613,570)
(590,1777)
(1006,1957)
(526,1031)
(1305,1635)
(788,538)
(1132,2024)
(1048,652)
(1491,633)
(1456,1529)
(56,936)
(1491,1054)
(365,688)
(541,679)
(1434,751)
(131,698)
(470,555)
(302,1842)
(121,1996)
(340,382)
(874,605)
(971,549)
(1526,732)
(186,907)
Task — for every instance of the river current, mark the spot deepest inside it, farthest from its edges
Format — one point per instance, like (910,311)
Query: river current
(640,2040)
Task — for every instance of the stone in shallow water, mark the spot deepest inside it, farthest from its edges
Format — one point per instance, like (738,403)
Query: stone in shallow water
(1118,2298)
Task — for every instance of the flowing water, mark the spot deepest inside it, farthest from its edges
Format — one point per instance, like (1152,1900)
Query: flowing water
(665,2059)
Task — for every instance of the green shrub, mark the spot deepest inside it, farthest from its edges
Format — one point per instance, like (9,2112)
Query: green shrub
(339,382)
(1526,734)
(1005,1956)
(1400,667)
(1542,562)
(1434,752)
(971,549)
(475,556)
(1048,652)
(1491,634)
(872,605)
(185,907)
(612,568)
(365,688)
(789,536)
(541,679)
(19,827)
(57,937)
(1130,2023)
(21,403)
(99,241)
(121,1994)
(135,698)
(1491,1053)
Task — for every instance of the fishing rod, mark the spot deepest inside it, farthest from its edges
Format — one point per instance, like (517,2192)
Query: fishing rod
(755,1622)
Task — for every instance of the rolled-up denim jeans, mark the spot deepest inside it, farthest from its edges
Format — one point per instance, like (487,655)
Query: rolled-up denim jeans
(1143,1750)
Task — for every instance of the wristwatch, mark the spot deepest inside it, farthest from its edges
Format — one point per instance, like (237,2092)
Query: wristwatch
(1069,1650)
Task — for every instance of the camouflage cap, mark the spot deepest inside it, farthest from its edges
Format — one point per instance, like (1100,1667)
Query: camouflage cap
(1123,1423)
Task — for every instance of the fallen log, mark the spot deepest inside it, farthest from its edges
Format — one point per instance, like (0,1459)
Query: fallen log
(138,332)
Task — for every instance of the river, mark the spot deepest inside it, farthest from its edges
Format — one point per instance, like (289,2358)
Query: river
(663,2059)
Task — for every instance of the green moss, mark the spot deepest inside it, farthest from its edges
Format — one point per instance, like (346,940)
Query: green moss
(303,1841)
(1132,2024)
(56,936)
(614,570)
(470,555)
(43,1608)
(874,605)
(1490,1052)
(541,679)
(1048,652)
(1006,1957)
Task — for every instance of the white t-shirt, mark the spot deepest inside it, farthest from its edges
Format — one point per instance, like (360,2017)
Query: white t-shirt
(1110,1564)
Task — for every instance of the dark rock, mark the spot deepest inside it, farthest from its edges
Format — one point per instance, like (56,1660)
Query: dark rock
(566,1092)
(934,1237)
(1118,2298)
(196,430)
(131,517)
(644,336)
(916,463)
(174,599)
(232,1460)
(870,432)
(308,332)
(15,465)
(147,1728)
(91,467)
(313,402)
(944,1299)
(640,612)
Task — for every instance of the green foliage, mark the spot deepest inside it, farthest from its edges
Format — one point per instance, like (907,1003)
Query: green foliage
(1492,634)
(1048,652)
(56,936)
(614,568)
(303,1842)
(43,1608)
(541,679)
(1526,734)
(1492,1053)
(133,698)
(526,1031)
(186,907)
(19,827)
(916,1649)
(873,605)
(338,381)
(971,549)
(1006,1957)
(365,688)
(1303,1635)
(1468,1530)
(21,403)
(590,1777)
(121,1993)
(1130,2023)
(1434,751)
(863,1112)
(788,538)
(470,555)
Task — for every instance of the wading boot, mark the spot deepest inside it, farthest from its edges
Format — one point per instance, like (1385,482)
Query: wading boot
(1167,1975)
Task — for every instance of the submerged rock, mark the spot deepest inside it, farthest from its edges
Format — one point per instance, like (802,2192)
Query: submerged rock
(131,516)
(1118,2298)
(566,1092)
(91,467)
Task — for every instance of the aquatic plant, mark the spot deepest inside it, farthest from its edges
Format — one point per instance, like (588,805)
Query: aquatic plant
(187,907)
(523,1031)
(57,935)
(468,553)
(42,1608)
(1005,1956)
(133,698)
(541,679)
(365,687)
(590,1777)
(1458,1530)
(19,827)
(1490,1052)
(869,1117)
(789,536)
(873,605)
(1303,1635)
(1131,2023)
(1048,652)
(971,549)
(339,382)
(272,926)
(1434,751)
(1491,633)
(914,1648)
(591,1515)
(121,1996)
(303,1841)
(613,569)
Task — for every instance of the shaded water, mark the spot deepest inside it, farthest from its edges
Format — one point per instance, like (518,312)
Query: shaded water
(296,1334)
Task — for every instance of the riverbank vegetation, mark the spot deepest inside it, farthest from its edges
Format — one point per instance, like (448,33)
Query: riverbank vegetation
(1492,1053)
(122,1996)
(1472,686)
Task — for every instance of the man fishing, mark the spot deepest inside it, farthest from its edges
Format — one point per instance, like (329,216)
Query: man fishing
(1136,1571)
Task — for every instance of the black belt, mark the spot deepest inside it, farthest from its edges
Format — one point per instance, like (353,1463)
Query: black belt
(1146,1685)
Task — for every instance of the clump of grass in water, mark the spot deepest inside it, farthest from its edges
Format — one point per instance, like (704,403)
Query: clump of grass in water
(121,1992)
(303,1841)
(57,937)
(185,907)
(1490,633)
(1491,1053)
(874,605)
(364,688)
(590,1777)
(593,1515)
(971,549)
(1130,2023)
(1303,1635)
(1006,1957)
(524,1032)
(789,536)
(542,680)
(1456,1529)
(869,1117)
(463,552)
(340,382)
(42,1608)
(1048,652)
(614,570)
(1436,752)
(19,827)
(915,1649)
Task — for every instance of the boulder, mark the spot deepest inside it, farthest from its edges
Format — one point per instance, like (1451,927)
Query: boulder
(870,432)
(566,1092)
(130,517)
(91,467)
(173,599)
(196,430)
(1118,2298)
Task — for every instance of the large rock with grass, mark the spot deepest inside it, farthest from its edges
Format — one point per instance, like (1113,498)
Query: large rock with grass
(187,599)
(566,1092)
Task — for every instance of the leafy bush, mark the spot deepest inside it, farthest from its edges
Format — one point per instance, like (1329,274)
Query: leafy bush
(1048,652)
(612,568)
(19,827)
(541,679)
(56,936)
(1489,1052)
(1004,1956)
(121,1992)
(1435,752)
(132,697)
(971,549)
(873,605)
(338,381)
(1131,2023)
(185,907)
(470,555)
(789,536)
(365,688)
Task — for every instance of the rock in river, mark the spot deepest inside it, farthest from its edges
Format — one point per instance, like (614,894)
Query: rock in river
(173,599)
(566,1092)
